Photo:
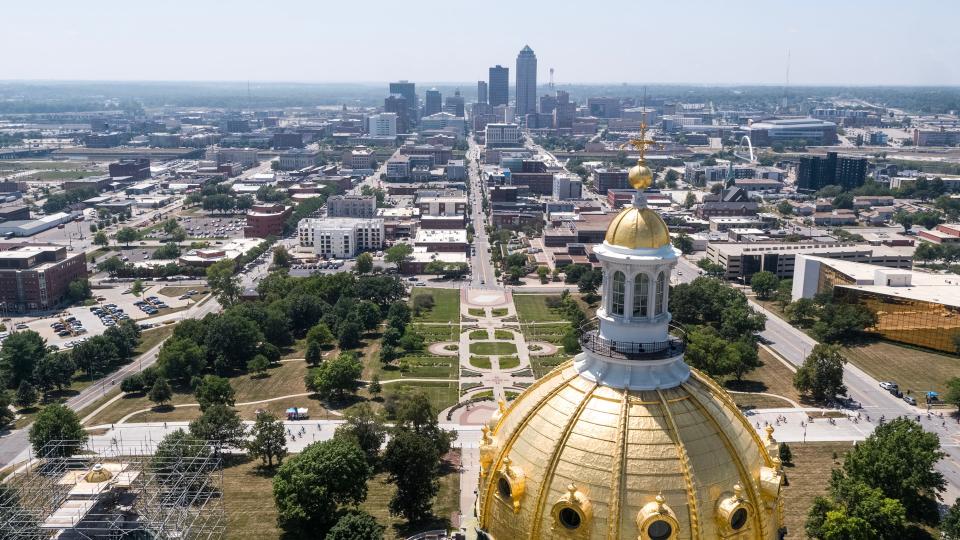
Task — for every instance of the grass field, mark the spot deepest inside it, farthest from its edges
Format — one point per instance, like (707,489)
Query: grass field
(416,367)
(441,394)
(479,334)
(252,514)
(150,338)
(435,333)
(446,306)
(542,365)
(807,479)
(551,333)
(509,362)
(493,347)
(481,362)
(913,369)
(499,312)
(476,312)
(502,334)
(773,377)
(533,308)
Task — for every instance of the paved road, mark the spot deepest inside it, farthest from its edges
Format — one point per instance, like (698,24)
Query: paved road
(14,444)
(483,275)
(794,346)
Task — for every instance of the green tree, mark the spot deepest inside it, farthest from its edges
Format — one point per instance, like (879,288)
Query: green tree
(800,312)
(137,288)
(898,459)
(6,413)
(785,454)
(26,396)
(356,525)
(764,284)
(950,524)
(309,487)
(57,423)
(349,335)
(258,365)
(127,235)
(314,354)
(368,315)
(231,340)
(684,243)
(223,282)
(19,356)
(952,396)
(364,264)
(365,427)
(843,323)
(281,257)
(161,392)
(181,359)
(821,375)
(101,239)
(374,387)
(397,254)
(78,290)
(96,355)
(334,378)
(213,390)
(413,465)
(221,425)
(417,414)
(55,370)
(267,439)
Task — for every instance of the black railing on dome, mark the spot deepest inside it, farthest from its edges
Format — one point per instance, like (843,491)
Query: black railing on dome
(631,350)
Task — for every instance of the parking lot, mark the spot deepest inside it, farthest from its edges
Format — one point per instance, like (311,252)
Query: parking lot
(118,303)
(200,228)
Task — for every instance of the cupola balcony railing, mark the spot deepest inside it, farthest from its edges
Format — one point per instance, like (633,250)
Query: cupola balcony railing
(591,340)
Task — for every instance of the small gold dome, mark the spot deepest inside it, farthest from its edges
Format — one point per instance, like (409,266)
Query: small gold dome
(636,228)
(98,474)
(575,459)
(640,177)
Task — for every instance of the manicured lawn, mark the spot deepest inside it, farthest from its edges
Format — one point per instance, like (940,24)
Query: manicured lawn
(481,362)
(499,312)
(441,394)
(533,308)
(551,333)
(771,378)
(808,479)
(492,347)
(419,367)
(479,334)
(445,504)
(544,364)
(150,338)
(252,514)
(502,334)
(435,333)
(476,312)
(913,369)
(446,306)
(509,362)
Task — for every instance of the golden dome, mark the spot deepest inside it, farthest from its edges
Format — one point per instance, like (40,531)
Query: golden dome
(571,458)
(640,176)
(98,474)
(636,228)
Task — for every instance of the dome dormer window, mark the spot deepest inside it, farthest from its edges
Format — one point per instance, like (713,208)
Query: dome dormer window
(619,289)
(641,295)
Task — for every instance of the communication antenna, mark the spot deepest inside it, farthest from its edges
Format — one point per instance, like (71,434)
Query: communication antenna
(786,81)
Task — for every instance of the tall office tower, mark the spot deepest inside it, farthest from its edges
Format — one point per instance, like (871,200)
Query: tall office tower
(526,81)
(548,104)
(481,91)
(499,85)
(564,112)
(454,104)
(433,102)
(409,91)
(398,104)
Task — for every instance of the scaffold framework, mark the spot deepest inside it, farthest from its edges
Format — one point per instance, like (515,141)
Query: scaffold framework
(142,490)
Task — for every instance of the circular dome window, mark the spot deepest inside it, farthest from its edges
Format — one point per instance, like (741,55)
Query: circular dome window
(569,518)
(659,530)
(739,519)
(503,487)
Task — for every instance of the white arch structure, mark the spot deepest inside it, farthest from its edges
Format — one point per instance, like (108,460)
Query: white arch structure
(739,150)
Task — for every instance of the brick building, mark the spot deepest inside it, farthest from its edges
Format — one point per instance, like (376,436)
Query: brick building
(265,220)
(37,276)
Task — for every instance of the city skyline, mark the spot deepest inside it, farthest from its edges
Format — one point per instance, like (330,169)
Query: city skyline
(828,44)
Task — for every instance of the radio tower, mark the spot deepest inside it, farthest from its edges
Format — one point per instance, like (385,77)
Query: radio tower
(551,80)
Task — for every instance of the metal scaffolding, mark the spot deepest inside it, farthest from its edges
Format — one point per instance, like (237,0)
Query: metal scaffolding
(141,490)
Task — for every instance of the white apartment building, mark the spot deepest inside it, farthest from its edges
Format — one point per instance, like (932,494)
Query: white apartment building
(444,121)
(383,124)
(502,135)
(566,187)
(341,237)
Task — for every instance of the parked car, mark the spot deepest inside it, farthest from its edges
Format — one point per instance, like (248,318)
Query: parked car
(887,385)
(910,399)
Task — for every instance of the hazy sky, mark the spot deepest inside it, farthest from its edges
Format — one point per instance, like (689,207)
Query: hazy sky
(831,42)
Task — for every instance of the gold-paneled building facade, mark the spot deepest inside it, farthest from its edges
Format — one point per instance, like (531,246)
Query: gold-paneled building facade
(626,441)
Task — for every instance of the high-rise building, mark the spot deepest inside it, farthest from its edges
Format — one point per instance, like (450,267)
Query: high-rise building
(548,104)
(526,81)
(565,111)
(433,103)
(396,103)
(499,85)
(815,172)
(481,91)
(454,104)
(383,125)
(409,92)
